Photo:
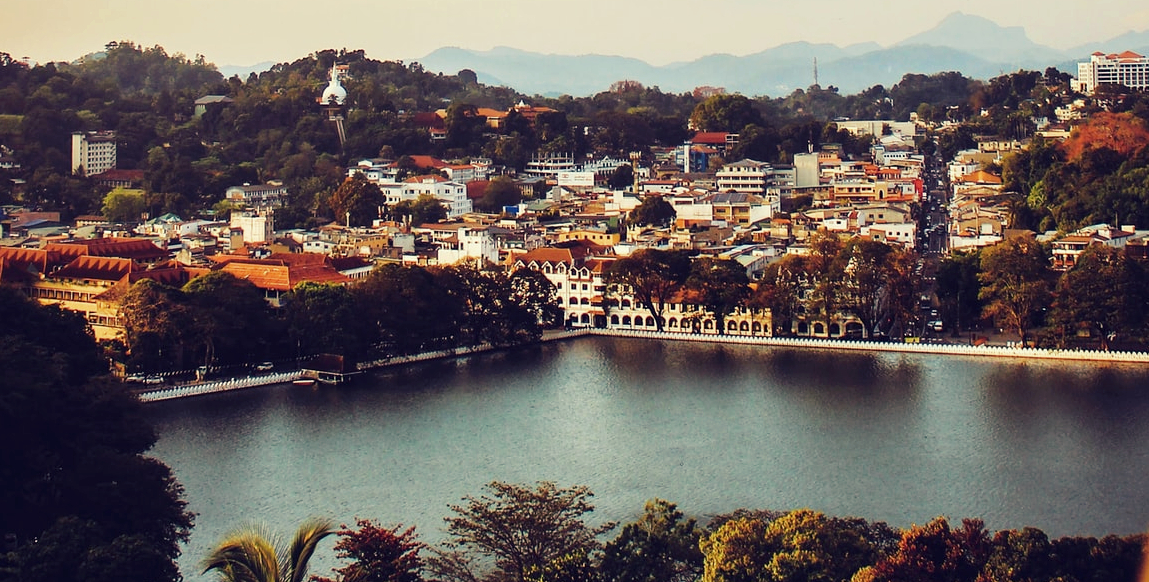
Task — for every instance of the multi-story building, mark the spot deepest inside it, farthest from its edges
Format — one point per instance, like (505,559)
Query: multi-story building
(453,195)
(257,228)
(93,151)
(744,176)
(258,197)
(1128,68)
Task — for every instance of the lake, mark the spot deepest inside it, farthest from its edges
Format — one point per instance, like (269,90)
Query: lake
(900,438)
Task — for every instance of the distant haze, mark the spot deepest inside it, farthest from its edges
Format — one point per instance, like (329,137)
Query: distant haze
(659,33)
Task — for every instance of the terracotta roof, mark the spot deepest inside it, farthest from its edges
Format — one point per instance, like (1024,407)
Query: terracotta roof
(549,255)
(284,272)
(1129,55)
(96,268)
(136,249)
(424,162)
(42,260)
(710,137)
(425,178)
(119,175)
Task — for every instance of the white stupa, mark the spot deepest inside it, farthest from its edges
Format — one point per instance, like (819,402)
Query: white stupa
(334,93)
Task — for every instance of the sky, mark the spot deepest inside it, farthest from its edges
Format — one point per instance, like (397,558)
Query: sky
(246,32)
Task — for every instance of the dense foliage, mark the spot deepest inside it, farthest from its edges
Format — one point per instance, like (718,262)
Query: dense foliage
(218,320)
(78,498)
(543,532)
(274,128)
(1099,301)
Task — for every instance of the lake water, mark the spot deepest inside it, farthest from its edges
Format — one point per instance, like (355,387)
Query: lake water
(896,437)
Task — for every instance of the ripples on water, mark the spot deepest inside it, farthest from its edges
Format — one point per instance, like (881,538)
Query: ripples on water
(901,438)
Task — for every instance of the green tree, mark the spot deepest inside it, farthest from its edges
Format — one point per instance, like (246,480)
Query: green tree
(75,489)
(252,554)
(157,326)
(357,202)
(377,554)
(323,318)
(502,191)
(651,276)
(424,210)
(123,205)
(229,317)
(721,286)
(959,290)
(728,113)
(653,211)
(662,546)
(519,529)
(1015,283)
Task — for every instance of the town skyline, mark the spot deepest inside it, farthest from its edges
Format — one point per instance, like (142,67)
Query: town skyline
(50,31)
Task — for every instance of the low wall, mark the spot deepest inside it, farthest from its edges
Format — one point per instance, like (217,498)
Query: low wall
(196,389)
(199,388)
(943,349)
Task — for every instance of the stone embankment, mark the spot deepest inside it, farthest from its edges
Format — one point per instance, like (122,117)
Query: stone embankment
(212,387)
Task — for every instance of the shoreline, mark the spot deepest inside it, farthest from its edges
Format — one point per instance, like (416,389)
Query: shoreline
(187,390)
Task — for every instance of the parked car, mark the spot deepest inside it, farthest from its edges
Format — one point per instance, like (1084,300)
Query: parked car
(264,367)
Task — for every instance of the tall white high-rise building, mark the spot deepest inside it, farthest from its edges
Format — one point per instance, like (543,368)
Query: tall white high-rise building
(1128,68)
(93,151)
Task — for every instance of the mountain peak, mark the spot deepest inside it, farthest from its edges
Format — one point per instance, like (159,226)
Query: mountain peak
(984,38)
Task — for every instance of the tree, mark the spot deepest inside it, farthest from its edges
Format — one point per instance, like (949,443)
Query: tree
(424,210)
(959,290)
(736,551)
(721,286)
(780,291)
(520,529)
(502,191)
(531,290)
(357,202)
(1015,283)
(323,318)
(252,554)
(653,211)
(728,113)
(936,553)
(229,317)
(662,546)
(75,489)
(651,276)
(378,554)
(123,205)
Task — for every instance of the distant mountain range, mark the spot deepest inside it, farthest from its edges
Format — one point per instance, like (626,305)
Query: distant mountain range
(975,46)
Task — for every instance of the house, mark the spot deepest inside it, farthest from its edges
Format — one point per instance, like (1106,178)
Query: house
(211,101)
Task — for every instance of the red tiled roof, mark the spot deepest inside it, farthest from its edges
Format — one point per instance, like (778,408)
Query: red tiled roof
(96,268)
(118,175)
(710,137)
(283,272)
(126,248)
(424,162)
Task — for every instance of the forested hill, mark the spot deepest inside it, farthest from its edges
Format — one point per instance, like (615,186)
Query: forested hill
(274,128)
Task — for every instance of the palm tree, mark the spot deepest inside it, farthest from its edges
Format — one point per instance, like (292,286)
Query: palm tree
(251,554)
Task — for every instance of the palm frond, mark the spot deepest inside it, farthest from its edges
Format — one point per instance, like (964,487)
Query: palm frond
(307,537)
(247,554)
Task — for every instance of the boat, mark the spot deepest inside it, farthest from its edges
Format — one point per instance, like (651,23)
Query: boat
(304,382)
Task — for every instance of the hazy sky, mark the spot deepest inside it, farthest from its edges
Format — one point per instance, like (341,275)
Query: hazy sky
(245,32)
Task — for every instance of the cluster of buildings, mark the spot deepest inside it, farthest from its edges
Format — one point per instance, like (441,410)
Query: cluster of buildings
(571,228)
